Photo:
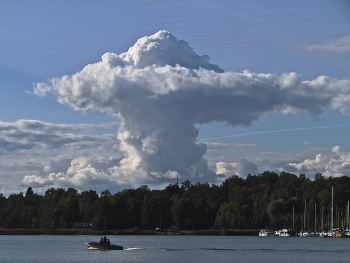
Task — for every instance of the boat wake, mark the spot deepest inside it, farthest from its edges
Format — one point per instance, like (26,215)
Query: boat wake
(153,248)
(266,250)
(134,248)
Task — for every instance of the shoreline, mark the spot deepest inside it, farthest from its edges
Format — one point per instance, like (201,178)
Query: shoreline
(227,232)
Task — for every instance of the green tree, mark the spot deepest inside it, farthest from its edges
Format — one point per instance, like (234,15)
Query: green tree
(182,212)
(3,201)
(87,205)
(52,209)
(230,216)
(13,211)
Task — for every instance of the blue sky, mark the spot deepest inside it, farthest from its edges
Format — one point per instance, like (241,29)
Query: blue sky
(51,139)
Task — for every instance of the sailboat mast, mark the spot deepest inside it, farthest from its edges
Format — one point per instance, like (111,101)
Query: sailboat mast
(315,219)
(332,211)
(293,217)
(322,218)
(304,213)
(348,217)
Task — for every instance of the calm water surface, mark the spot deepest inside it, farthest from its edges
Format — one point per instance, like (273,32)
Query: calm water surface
(175,249)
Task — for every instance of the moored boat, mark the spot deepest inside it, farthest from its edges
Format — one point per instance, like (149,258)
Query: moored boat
(338,233)
(323,233)
(265,233)
(305,233)
(287,232)
(277,233)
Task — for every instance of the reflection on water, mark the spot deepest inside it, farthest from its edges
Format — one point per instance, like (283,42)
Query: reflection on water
(175,249)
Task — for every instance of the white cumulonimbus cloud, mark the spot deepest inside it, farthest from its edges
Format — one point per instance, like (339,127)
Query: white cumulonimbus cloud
(160,88)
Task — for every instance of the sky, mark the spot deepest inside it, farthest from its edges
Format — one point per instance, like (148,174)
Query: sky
(118,94)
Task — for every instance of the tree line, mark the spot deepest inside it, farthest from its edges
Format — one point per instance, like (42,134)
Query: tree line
(266,200)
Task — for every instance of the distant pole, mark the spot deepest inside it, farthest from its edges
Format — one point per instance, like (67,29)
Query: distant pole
(332,224)
(293,217)
(322,218)
(160,220)
(348,215)
(301,221)
(304,217)
(315,220)
(336,216)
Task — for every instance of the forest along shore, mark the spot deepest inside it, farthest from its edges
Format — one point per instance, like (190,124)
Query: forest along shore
(265,201)
(228,232)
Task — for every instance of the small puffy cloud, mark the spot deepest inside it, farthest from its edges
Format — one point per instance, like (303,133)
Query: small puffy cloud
(35,181)
(328,165)
(339,166)
(340,45)
(99,171)
(81,172)
(161,88)
(307,144)
(241,168)
(316,165)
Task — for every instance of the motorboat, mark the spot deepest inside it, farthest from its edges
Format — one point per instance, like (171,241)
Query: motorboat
(98,245)
(104,244)
(305,233)
(338,233)
(324,233)
(287,233)
(277,233)
(265,233)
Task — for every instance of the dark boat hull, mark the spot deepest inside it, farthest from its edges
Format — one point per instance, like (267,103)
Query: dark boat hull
(97,245)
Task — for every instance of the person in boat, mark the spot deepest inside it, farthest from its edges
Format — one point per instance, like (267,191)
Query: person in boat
(104,240)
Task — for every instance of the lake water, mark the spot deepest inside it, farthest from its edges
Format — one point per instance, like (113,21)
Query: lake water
(182,249)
